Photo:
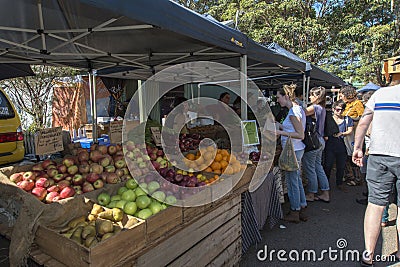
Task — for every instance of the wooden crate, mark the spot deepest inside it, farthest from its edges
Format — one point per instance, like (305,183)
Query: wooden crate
(107,253)
(196,211)
(198,243)
(163,223)
(244,181)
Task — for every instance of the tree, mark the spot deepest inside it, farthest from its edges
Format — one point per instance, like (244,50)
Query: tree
(33,95)
(350,38)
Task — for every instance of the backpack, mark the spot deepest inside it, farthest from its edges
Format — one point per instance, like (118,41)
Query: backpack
(311,139)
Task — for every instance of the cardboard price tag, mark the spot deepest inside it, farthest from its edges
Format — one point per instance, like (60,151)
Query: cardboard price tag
(156,135)
(49,141)
(116,132)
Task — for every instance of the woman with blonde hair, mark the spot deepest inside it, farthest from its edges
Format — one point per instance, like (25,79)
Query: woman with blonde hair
(293,126)
(312,160)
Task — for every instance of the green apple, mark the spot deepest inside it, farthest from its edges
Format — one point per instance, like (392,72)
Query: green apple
(104,199)
(131,184)
(143,201)
(130,208)
(128,195)
(153,186)
(159,195)
(112,204)
(155,207)
(144,214)
(116,198)
(121,190)
(170,200)
(139,192)
(120,204)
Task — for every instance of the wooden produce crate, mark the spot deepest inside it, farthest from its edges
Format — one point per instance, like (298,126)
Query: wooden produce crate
(163,223)
(106,253)
(243,184)
(201,242)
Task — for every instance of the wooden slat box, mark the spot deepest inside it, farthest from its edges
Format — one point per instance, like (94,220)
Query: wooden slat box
(106,253)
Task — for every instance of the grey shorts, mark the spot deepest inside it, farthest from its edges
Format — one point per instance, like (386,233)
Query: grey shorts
(382,173)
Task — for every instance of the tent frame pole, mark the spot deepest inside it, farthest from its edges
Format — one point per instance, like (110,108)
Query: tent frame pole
(304,91)
(243,86)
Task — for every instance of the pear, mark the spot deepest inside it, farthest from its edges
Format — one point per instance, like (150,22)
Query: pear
(88,231)
(117,229)
(104,226)
(73,223)
(107,236)
(117,215)
(96,209)
(76,235)
(89,241)
(108,214)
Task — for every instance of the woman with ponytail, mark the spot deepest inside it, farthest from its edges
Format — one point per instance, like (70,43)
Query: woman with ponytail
(293,126)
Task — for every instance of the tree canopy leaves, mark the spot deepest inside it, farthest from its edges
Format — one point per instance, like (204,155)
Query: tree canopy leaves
(349,38)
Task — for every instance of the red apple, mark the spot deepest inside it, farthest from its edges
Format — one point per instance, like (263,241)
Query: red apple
(87,187)
(37,167)
(39,192)
(112,178)
(63,184)
(77,179)
(42,182)
(112,149)
(68,162)
(26,185)
(96,168)
(62,168)
(67,192)
(46,163)
(51,196)
(83,155)
(95,155)
(28,176)
(102,149)
(105,161)
(58,177)
(92,177)
(109,169)
(84,168)
(73,169)
(119,164)
(16,177)
(98,184)
(52,172)
(53,188)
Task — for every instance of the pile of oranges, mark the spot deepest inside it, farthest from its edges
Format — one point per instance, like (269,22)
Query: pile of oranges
(211,159)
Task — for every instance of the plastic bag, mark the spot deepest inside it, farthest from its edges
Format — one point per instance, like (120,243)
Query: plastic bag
(287,159)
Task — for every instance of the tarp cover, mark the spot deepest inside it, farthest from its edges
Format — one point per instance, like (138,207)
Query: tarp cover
(369,87)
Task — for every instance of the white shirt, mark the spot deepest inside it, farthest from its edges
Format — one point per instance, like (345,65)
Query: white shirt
(287,126)
(386,121)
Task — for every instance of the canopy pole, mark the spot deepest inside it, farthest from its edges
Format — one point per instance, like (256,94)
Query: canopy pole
(94,122)
(304,91)
(142,109)
(243,86)
(308,87)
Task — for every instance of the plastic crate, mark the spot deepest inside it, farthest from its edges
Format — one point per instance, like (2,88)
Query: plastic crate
(86,142)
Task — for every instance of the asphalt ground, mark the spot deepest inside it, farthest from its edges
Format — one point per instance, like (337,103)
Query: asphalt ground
(336,227)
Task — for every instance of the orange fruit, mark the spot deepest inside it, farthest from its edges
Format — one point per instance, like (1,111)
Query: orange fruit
(208,169)
(216,177)
(229,170)
(200,160)
(218,157)
(236,168)
(216,166)
(210,148)
(223,163)
(208,156)
(217,171)
(190,156)
(225,158)
(224,152)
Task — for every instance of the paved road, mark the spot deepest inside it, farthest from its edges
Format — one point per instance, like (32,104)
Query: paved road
(341,219)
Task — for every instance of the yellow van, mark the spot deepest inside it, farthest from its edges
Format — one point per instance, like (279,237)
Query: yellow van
(11,135)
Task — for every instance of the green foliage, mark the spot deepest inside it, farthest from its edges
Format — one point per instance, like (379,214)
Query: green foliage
(350,38)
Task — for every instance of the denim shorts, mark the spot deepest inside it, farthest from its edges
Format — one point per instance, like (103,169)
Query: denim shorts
(382,172)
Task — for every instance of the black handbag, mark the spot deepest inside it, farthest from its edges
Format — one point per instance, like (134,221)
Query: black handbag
(311,139)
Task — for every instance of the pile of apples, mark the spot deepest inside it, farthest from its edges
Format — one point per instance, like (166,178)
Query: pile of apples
(189,142)
(75,175)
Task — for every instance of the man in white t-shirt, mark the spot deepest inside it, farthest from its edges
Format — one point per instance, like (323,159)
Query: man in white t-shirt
(383,163)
